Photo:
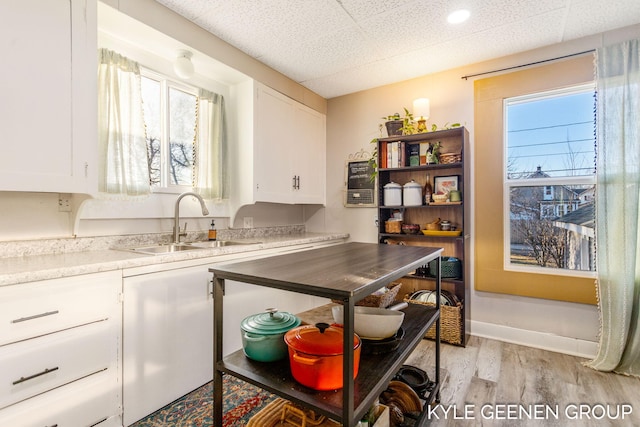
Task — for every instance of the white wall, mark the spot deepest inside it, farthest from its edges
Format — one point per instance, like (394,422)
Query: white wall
(353,121)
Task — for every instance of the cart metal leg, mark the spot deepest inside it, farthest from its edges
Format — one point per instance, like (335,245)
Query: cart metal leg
(218,292)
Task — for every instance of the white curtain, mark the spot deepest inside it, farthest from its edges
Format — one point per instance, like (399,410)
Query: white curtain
(212,173)
(123,168)
(617,212)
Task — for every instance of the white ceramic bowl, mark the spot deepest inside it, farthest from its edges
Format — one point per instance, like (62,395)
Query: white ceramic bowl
(372,323)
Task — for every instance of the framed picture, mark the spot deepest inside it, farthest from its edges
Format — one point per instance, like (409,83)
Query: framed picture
(444,184)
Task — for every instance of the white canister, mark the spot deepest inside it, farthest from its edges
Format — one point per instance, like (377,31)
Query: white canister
(392,194)
(412,194)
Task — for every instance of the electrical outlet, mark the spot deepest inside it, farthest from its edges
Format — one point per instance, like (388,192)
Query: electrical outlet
(248,222)
(64,202)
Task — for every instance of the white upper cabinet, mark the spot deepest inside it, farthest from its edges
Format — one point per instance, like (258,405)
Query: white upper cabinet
(308,151)
(281,151)
(48,105)
(273,137)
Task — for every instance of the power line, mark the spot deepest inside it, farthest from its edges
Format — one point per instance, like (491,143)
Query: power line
(540,144)
(550,127)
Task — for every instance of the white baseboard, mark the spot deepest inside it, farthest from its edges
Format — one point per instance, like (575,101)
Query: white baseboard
(544,341)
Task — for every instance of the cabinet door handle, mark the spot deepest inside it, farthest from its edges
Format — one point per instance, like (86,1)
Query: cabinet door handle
(294,182)
(39,374)
(298,182)
(35,316)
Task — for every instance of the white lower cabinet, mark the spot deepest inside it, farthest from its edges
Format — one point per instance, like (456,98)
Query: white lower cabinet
(38,308)
(37,365)
(168,327)
(59,352)
(89,401)
(168,344)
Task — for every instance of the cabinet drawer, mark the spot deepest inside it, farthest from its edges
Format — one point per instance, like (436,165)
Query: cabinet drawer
(38,308)
(35,366)
(90,401)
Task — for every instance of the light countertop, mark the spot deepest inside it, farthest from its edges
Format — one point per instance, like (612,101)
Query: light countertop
(29,268)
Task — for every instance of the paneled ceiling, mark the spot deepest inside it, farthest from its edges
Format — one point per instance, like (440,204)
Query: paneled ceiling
(336,47)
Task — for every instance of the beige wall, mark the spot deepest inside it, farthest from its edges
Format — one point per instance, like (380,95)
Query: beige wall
(352,121)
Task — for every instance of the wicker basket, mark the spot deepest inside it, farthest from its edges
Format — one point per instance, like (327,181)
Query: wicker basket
(393,227)
(450,322)
(281,412)
(382,300)
(448,158)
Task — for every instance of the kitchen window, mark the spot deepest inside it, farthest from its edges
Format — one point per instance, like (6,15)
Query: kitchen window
(170,115)
(549,181)
(157,134)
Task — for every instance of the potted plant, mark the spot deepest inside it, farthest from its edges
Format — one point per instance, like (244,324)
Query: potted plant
(408,127)
(394,124)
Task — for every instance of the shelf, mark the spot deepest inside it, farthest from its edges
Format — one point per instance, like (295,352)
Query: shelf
(457,281)
(430,205)
(374,374)
(423,167)
(420,236)
(444,203)
(441,233)
(427,136)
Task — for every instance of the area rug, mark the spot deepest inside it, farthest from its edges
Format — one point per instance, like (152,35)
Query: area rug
(240,400)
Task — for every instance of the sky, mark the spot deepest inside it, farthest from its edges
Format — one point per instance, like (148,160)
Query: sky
(555,132)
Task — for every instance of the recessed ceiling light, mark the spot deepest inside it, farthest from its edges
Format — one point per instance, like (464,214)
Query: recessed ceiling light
(458,16)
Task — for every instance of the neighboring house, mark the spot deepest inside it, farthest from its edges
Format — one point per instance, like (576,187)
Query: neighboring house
(579,237)
(554,200)
(541,203)
(563,208)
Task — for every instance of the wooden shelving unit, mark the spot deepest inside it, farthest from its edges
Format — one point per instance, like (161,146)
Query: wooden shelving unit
(455,140)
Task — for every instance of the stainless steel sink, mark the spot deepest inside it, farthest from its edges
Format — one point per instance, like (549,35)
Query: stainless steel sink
(221,243)
(181,247)
(165,249)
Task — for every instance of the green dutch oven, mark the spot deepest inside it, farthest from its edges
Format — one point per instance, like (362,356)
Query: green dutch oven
(263,334)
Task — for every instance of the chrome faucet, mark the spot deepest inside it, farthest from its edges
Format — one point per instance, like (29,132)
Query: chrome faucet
(176,219)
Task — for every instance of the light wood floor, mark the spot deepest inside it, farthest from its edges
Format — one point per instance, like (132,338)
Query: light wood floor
(493,374)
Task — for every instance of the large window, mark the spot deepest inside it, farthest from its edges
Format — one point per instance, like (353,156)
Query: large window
(549,181)
(170,113)
(494,270)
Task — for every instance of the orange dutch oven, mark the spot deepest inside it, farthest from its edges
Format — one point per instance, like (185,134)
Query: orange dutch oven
(315,355)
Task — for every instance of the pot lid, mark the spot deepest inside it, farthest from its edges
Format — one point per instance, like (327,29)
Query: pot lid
(319,340)
(392,185)
(413,184)
(270,322)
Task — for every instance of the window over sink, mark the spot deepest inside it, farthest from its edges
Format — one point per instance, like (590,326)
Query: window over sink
(170,114)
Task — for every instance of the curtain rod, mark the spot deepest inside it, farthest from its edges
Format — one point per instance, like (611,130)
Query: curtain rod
(527,65)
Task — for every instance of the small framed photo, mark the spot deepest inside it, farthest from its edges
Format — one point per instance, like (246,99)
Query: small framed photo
(445,184)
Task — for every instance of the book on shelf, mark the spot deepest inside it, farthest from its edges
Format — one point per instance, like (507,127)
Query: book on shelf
(393,163)
(396,154)
(383,156)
